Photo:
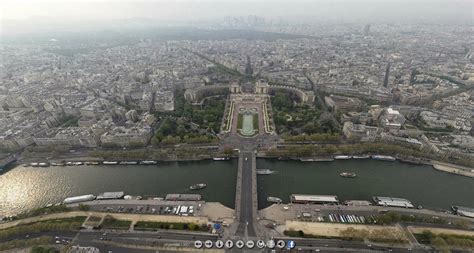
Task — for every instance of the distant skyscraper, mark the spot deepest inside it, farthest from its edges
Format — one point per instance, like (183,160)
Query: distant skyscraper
(248,68)
(367,30)
(387,74)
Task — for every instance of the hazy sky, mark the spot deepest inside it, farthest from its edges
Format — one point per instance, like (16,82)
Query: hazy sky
(31,13)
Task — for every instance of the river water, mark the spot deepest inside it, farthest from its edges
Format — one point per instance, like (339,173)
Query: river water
(23,188)
(423,185)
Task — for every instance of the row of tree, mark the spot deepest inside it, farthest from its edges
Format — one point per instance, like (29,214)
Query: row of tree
(446,241)
(322,137)
(18,244)
(39,227)
(44,249)
(156,154)
(378,235)
(364,148)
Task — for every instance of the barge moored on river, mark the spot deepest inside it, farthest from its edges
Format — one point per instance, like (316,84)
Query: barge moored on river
(92,163)
(317,159)
(313,199)
(361,156)
(39,164)
(221,158)
(148,162)
(110,163)
(128,163)
(110,195)
(77,199)
(463,211)
(384,158)
(393,202)
(342,157)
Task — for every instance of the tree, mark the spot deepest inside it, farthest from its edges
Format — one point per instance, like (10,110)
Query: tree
(310,128)
(282,101)
(440,243)
(171,140)
(301,233)
(181,130)
(228,151)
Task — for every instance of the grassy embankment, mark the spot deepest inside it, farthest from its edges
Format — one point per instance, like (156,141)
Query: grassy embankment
(153,226)
(110,222)
(64,224)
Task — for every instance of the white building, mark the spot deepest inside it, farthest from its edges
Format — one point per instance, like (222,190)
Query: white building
(392,119)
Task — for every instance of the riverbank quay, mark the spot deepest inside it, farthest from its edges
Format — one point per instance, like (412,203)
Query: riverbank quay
(310,223)
(453,169)
(396,237)
(410,155)
(337,230)
(280,213)
(119,216)
(199,152)
(166,153)
(441,166)
(438,165)
(118,159)
(214,211)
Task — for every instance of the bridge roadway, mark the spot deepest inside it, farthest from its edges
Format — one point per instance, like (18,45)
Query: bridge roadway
(246,194)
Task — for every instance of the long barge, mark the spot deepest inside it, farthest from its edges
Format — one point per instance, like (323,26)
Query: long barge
(78,199)
(463,211)
(110,163)
(317,159)
(361,156)
(313,199)
(342,157)
(384,158)
(411,161)
(393,202)
(148,162)
(221,158)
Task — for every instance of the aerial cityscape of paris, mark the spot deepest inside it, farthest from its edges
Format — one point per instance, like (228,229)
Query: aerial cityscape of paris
(236,126)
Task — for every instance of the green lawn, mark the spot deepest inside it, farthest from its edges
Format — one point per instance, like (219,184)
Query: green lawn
(240,120)
(255,122)
(65,224)
(80,219)
(112,223)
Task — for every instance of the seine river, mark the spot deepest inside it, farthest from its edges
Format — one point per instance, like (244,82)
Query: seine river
(23,188)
